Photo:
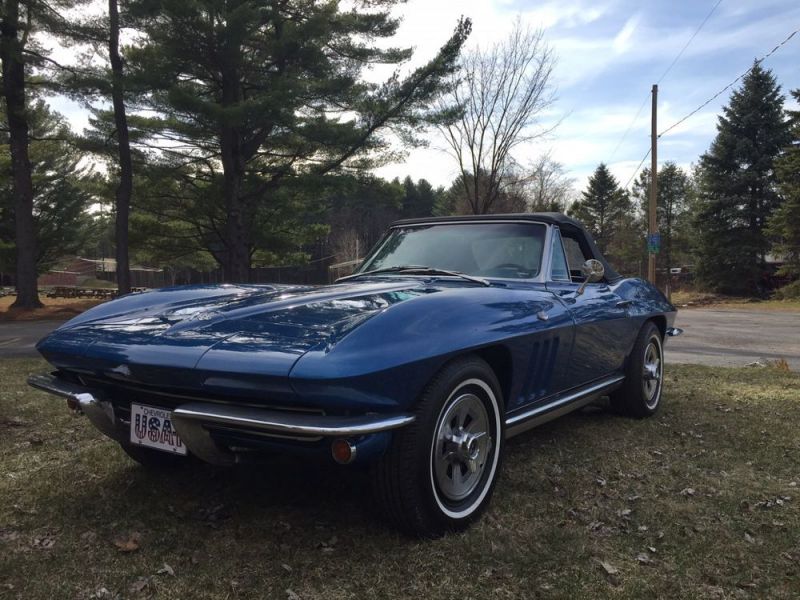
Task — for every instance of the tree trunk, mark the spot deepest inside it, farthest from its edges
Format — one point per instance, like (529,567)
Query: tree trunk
(125,188)
(14,93)
(237,258)
(236,268)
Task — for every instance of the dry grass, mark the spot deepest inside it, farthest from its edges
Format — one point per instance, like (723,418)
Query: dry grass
(699,502)
(690,299)
(54,308)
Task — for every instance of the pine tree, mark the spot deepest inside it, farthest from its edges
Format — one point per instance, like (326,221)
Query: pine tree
(784,225)
(13,40)
(61,194)
(737,186)
(672,212)
(102,76)
(21,52)
(270,93)
(419,198)
(603,207)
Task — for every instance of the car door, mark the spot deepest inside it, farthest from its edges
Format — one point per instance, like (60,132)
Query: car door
(600,315)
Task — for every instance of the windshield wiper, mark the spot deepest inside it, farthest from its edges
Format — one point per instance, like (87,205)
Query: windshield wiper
(383,270)
(411,269)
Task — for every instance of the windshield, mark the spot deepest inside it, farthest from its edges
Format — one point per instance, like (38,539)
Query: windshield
(507,250)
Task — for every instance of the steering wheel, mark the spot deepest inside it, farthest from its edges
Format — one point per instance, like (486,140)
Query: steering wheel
(504,266)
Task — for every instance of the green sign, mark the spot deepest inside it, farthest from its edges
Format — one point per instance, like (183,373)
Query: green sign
(654,243)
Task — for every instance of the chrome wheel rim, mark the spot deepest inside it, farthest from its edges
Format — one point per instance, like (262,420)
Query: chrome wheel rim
(652,372)
(462,447)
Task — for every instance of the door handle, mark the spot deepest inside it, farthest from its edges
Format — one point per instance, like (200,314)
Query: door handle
(624,303)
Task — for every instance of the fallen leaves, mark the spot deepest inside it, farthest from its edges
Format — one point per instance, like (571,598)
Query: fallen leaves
(129,542)
(213,514)
(330,545)
(140,585)
(14,422)
(8,535)
(773,502)
(43,542)
(609,569)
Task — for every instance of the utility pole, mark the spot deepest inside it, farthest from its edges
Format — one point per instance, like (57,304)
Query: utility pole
(653,239)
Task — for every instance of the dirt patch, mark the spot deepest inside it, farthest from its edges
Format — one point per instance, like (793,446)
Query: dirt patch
(54,308)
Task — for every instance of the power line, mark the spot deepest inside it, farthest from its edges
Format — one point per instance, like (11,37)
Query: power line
(712,98)
(690,40)
(731,84)
(630,125)
(669,68)
(636,171)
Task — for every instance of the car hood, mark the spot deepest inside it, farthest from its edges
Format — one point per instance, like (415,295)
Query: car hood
(212,332)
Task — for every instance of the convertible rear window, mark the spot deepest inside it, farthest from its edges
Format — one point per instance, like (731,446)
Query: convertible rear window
(507,250)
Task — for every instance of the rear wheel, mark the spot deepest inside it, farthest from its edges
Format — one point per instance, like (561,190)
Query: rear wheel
(439,472)
(640,394)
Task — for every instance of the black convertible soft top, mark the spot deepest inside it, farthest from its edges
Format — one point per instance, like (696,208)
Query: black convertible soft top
(566,224)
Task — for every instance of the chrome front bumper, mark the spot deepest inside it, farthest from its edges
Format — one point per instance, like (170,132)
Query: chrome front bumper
(192,420)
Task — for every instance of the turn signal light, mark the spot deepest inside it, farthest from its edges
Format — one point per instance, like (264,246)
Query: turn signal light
(343,451)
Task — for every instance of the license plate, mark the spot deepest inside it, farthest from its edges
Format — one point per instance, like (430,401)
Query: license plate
(152,427)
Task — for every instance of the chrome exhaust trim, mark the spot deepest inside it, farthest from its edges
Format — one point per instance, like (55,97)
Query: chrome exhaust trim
(99,412)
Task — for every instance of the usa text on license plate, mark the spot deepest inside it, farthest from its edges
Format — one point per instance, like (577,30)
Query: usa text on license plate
(152,427)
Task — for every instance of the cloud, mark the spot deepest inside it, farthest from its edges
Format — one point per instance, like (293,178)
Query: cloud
(622,41)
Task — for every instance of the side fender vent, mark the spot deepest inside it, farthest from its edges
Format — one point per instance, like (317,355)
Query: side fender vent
(540,368)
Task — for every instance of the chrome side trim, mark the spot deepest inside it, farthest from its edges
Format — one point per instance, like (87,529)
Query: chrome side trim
(271,421)
(99,412)
(560,406)
(674,331)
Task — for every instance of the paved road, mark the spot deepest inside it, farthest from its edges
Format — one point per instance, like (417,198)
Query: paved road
(711,337)
(733,338)
(19,339)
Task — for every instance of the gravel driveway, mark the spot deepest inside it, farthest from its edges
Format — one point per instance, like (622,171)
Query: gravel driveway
(19,339)
(734,338)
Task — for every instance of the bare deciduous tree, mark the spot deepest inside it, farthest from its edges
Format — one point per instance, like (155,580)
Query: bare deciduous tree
(501,92)
(346,244)
(547,186)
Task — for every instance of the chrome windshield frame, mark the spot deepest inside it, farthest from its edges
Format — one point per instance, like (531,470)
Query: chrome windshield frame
(541,277)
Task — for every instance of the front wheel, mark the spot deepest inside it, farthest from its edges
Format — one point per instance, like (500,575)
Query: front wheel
(439,472)
(640,393)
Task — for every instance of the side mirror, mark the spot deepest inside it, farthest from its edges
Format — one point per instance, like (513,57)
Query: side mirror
(593,272)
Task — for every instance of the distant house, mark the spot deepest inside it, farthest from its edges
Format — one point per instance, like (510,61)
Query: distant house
(73,271)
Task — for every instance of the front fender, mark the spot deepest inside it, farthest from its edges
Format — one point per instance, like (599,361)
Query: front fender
(385,363)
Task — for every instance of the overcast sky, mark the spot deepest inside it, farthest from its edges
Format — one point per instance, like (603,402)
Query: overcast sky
(609,54)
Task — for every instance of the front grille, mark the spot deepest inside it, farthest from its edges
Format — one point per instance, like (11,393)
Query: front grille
(121,394)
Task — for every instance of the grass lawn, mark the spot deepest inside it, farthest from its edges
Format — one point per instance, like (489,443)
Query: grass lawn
(701,501)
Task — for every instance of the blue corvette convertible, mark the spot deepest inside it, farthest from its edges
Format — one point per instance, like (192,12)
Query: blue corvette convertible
(453,335)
